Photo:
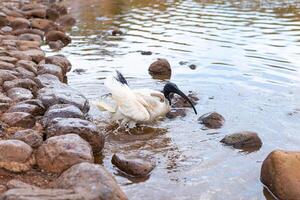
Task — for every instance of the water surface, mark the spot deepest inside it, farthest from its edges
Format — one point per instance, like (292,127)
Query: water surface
(247,58)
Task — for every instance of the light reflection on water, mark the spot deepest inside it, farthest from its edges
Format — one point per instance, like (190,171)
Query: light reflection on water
(247,58)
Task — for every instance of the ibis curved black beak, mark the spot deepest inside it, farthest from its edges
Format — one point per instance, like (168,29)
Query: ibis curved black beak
(172,88)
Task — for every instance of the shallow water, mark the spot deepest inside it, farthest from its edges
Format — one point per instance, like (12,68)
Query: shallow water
(247,58)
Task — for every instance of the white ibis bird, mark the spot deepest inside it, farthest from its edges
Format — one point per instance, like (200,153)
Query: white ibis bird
(139,105)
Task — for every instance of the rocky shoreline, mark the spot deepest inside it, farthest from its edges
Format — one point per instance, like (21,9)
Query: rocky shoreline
(44,130)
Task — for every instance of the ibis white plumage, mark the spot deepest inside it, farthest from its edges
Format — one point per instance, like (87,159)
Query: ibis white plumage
(139,105)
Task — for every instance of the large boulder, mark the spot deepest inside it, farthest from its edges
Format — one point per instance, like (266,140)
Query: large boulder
(63,94)
(47,80)
(160,68)
(92,180)
(60,61)
(18,119)
(15,155)
(212,120)
(85,129)
(58,35)
(61,152)
(280,173)
(51,69)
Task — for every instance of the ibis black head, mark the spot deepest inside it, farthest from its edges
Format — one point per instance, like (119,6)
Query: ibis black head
(172,88)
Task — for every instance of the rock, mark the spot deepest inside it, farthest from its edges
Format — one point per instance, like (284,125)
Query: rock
(52,14)
(61,152)
(63,94)
(18,119)
(85,129)
(28,107)
(29,30)
(43,24)
(3,128)
(61,9)
(51,69)
(91,179)
(6,66)
(30,37)
(56,45)
(6,29)
(79,71)
(176,113)
(19,94)
(47,80)
(15,155)
(133,166)
(161,67)
(179,102)
(25,73)
(20,55)
(35,54)
(62,111)
(29,65)
(146,53)
(245,140)
(32,6)
(58,35)
(212,120)
(23,83)
(8,59)
(60,61)
(192,66)
(3,20)
(7,75)
(116,32)
(25,45)
(3,107)
(4,99)
(66,21)
(30,137)
(19,190)
(20,23)
(280,174)
(2,189)
(38,13)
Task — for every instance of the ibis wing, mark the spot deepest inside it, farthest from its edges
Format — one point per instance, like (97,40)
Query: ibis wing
(129,104)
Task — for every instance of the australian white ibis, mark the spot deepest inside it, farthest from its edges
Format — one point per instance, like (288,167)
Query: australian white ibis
(139,105)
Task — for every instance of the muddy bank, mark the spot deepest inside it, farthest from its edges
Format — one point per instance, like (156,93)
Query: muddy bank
(45,133)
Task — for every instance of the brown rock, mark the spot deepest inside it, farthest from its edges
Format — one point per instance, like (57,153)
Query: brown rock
(62,10)
(51,69)
(44,24)
(35,54)
(3,19)
(7,75)
(245,140)
(91,179)
(212,120)
(28,45)
(280,173)
(8,59)
(30,137)
(25,73)
(179,102)
(133,166)
(3,107)
(20,23)
(176,113)
(19,94)
(6,66)
(31,31)
(66,21)
(23,83)
(62,111)
(60,61)
(58,35)
(61,152)
(6,30)
(63,94)
(32,6)
(20,55)
(56,45)
(52,14)
(85,129)
(29,65)
(18,119)
(30,37)
(15,155)
(161,67)
(28,107)
(4,99)
(12,13)
(38,13)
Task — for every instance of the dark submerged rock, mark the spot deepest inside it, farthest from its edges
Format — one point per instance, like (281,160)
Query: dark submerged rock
(133,166)
(146,53)
(212,120)
(245,140)
(176,113)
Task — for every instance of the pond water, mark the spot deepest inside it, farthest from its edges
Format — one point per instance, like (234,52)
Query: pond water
(247,69)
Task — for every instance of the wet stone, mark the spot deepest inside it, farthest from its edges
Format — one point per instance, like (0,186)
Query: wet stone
(25,73)
(29,65)
(35,54)
(15,155)
(60,61)
(280,174)
(63,94)
(192,66)
(58,35)
(161,67)
(179,102)
(93,180)
(212,120)
(62,111)
(30,37)
(56,45)
(116,32)
(18,119)
(85,129)
(51,69)
(23,83)
(47,80)
(20,23)
(35,110)
(8,59)
(147,53)
(31,137)
(19,94)
(133,166)
(61,152)
(6,65)
(176,113)
(245,140)
(6,29)
(20,55)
